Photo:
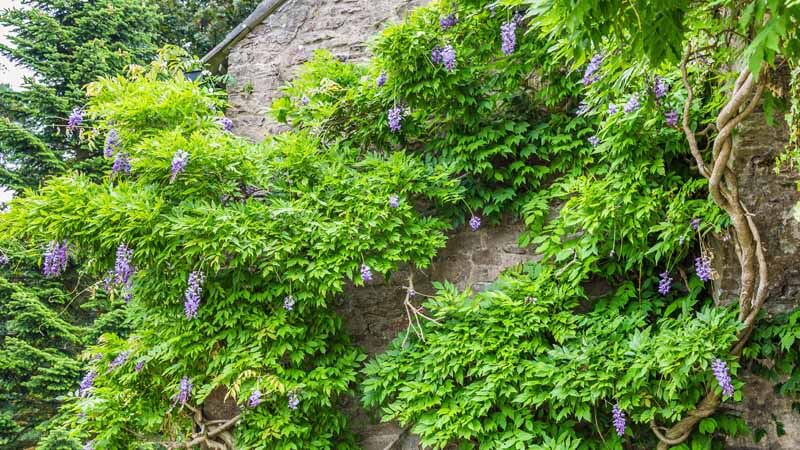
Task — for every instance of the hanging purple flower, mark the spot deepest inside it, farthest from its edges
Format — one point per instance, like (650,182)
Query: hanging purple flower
(671,118)
(86,383)
(225,123)
(366,273)
(448,21)
(632,105)
(695,223)
(55,259)
(123,267)
(665,284)
(508,34)
(179,161)
(184,393)
(288,303)
(119,360)
(89,446)
(723,376)
(4,259)
(702,266)
(192,295)
(75,119)
(660,88)
(112,140)
(394,201)
(139,366)
(293,400)
(381,80)
(619,419)
(474,222)
(448,57)
(305,101)
(612,108)
(255,399)
(436,55)
(589,75)
(411,292)
(121,164)
(594,140)
(395,117)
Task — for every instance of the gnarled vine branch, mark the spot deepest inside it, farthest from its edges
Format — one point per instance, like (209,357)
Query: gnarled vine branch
(722,185)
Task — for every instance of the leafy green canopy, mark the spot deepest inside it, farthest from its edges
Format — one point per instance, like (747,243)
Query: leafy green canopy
(66,44)
(288,217)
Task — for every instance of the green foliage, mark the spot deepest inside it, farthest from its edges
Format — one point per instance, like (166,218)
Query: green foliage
(199,25)
(489,117)
(66,44)
(516,366)
(290,216)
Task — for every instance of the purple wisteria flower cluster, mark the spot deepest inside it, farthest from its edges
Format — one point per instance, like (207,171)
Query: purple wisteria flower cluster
(55,259)
(448,21)
(86,383)
(366,273)
(660,88)
(671,118)
(445,56)
(723,376)
(89,446)
(619,419)
(395,117)
(112,141)
(702,266)
(122,164)
(4,259)
(254,399)
(695,223)
(75,119)
(381,80)
(474,222)
(632,105)
(192,295)
(184,392)
(612,108)
(665,284)
(590,75)
(594,140)
(508,34)
(394,201)
(293,400)
(304,100)
(139,366)
(225,123)
(288,303)
(179,161)
(119,360)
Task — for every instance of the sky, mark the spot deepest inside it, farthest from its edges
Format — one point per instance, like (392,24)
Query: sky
(9,73)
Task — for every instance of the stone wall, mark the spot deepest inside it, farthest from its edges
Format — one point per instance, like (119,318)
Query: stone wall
(772,199)
(267,57)
(374,315)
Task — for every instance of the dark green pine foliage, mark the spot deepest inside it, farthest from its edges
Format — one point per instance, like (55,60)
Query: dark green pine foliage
(66,44)
(42,330)
(44,324)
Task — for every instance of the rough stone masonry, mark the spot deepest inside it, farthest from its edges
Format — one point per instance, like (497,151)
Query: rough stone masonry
(268,56)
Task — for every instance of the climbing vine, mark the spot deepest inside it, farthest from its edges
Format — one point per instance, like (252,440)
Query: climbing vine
(229,254)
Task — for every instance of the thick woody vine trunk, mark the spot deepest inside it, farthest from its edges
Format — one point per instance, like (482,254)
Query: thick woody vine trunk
(722,185)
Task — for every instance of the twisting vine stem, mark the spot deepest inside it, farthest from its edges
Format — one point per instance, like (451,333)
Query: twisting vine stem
(722,185)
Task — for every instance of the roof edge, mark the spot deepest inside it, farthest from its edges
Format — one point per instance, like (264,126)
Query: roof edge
(215,58)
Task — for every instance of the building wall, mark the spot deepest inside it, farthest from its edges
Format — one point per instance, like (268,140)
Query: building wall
(268,56)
